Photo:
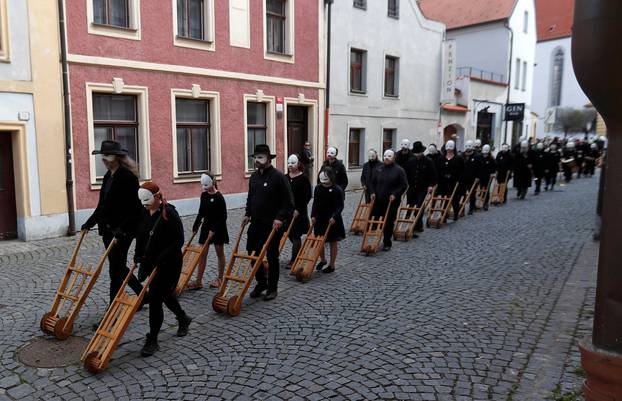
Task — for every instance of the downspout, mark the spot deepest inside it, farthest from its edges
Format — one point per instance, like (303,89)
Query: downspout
(327,90)
(71,230)
(507,25)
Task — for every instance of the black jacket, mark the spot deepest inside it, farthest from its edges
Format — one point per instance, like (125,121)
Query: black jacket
(213,214)
(551,162)
(539,163)
(368,171)
(341,176)
(269,197)
(523,164)
(471,168)
(327,203)
(119,208)
(423,174)
(505,164)
(403,160)
(301,190)
(388,180)
(487,167)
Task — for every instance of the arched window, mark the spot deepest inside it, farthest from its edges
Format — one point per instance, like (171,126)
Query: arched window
(557,72)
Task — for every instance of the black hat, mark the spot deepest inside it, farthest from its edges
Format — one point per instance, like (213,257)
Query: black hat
(263,150)
(418,147)
(110,148)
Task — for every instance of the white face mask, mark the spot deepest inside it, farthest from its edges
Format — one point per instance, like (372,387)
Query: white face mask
(486,149)
(109,158)
(405,144)
(450,145)
(331,152)
(206,182)
(431,150)
(389,155)
(145,196)
(292,162)
(324,180)
(260,159)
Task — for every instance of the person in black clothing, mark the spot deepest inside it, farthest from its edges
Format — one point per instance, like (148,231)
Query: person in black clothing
(306,158)
(270,204)
(434,155)
(539,164)
(469,173)
(158,246)
(505,165)
(552,158)
(449,174)
(117,212)
(590,159)
(488,167)
(326,209)
(387,186)
(568,155)
(582,148)
(523,164)
(301,190)
(213,215)
(341,176)
(422,180)
(404,157)
(368,170)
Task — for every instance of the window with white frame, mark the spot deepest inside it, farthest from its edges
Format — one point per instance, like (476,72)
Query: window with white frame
(276,26)
(256,129)
(557,71)
(517,74)
(112,12)
(524,81)
(388,139)
(362,4)
(393,8)
(239,23)
(358,71)
(4,32)
(391,76)
(193,126)
(356,144)
(194,23)
(116,18)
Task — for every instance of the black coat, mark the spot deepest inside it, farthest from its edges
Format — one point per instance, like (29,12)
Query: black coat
(119,208)
(301,189)
(523,164)
(539,163)
(449,174)
(423,174)
(213,214)
(505,164)
(551,162)
(487,167)
(328,204)
(403,160)
(341,176)
(388,180)
(368,171)
(471,169)
(269,197)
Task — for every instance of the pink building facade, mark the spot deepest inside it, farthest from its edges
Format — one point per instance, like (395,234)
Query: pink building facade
(192,85)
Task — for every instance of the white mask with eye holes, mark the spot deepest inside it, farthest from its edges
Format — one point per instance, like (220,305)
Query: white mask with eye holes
(146,197)
(109,158)
(292,161)
(389,156)
(486,149)
(206,182)
(324,179)
(331,152)
(432,150)
(261,159)
(405,144)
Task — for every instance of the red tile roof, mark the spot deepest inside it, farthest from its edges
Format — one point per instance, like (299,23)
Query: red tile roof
(554,19)
(451,107)
(460,13)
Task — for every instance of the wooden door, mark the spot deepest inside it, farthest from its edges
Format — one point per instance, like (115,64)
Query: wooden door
(8,213)
(297,129)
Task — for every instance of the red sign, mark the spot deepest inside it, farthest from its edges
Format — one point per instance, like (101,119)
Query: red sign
(279,100)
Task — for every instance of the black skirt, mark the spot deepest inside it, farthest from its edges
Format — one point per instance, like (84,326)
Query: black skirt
(300,228)
(337,231)
(221,236)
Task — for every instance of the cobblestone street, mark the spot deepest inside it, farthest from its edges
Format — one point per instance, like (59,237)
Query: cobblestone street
(488,308)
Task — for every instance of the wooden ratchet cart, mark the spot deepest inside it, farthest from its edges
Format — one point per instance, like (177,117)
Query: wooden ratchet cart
(191,258)
(480,201)
(98,352)
(373,233)
(464,200)
(239,274)
(304,265)
(497,197)
(72,292)
(407,218)
(439,208)
(361,216)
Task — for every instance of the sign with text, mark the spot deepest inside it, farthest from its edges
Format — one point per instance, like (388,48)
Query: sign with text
(515,112)
(449,73)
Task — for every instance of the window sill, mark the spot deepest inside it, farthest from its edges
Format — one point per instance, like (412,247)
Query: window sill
(397,17)
(192,43)
(183,179)
(114,31)
(360,7)
(391,97)
(362,94)
(280,57)
(355,168)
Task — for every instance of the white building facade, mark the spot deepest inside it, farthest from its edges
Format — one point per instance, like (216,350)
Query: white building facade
(385,71)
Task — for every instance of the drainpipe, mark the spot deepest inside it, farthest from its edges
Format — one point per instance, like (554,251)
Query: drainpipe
(507,26)
(71,230)
(327,93)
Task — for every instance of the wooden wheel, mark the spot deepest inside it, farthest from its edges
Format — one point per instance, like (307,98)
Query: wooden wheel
(300,275)
(48,322)
(219,304)
(233,307)
(60,332)
(92,363)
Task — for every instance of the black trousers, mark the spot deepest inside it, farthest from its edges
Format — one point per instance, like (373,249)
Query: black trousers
(380,209)
(117,265)
(417,199)
(162,291)
(567,172)
(590,167)
(446,189)
(538,182)
(551,179)
(258,234)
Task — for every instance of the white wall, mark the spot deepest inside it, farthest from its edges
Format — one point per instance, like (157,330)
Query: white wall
(418,44)
(19,66)
(572,94)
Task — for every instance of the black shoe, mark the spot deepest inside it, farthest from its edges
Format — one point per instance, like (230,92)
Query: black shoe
(270,295)
(415,235)
(470,212)
(385,248)
(150,347)
(259,288)
(328,269)
(485,208)
(184,322)
(320,265)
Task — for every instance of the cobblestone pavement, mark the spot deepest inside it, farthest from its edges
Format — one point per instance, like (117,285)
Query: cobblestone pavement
(462,313)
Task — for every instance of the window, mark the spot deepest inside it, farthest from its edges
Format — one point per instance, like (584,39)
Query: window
(116,18)
(526,22)
(4,32)
(112,12)
(193,136)
(115,118)
(357,70)
(354,147)
(524,82)
(190,19)
(557,72)
(256,129)
(239,23)
(517,75)
(276,21)
(388,139)
(391,80)
(394,8)
(360,4)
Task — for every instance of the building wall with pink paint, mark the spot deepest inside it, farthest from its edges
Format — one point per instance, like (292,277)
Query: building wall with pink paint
(228,70)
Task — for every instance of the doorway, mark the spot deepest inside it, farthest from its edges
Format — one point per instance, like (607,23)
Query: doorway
(484,127)
(8,210)
(297,129)
(517,131)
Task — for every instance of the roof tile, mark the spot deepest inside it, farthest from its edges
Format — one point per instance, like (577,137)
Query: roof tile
(460,13)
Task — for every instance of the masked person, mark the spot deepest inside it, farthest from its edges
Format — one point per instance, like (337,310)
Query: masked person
(159,246)
(551,166)
(341,176)
(582,148)
(568,156)
(213,214)
(505,165)
(368,170)
(326,209)
(590,160)
(301,190)
(488,166)
(523,164)
(477,146)
(433,154)
(404,157)
(117,213)
(469,173)
(539,165)
(269,204)
(387,186)
(422,181)
(449,174)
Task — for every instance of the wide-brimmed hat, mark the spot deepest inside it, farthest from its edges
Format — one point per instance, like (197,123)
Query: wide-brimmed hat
(418,147)
(263,150)
(110,148)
